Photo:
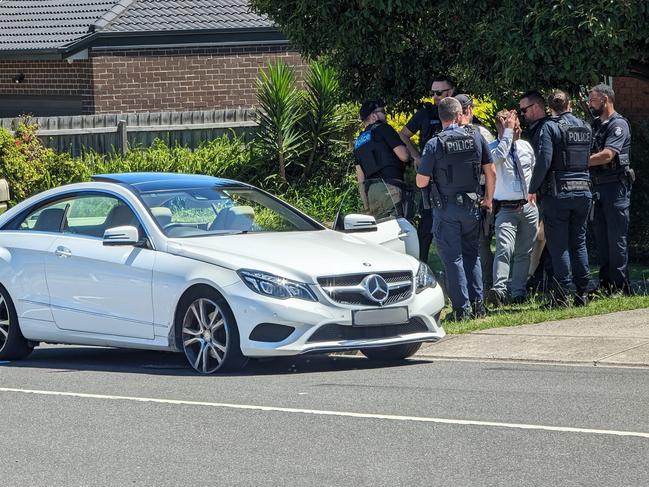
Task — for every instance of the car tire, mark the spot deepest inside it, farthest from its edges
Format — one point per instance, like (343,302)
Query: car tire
(393,352)
(207,332)
(13,345)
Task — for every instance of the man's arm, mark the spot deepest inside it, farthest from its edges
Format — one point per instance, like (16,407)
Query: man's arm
(490,185)
(391,137)
(402,153)
(406,135)
(360,177)
(617,131)
(500,152)
(422,181)
(543,158)
(602,157)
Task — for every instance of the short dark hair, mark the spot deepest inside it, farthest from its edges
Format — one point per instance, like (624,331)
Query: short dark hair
(604,89)
(559,101)
(445,79)
(534,96)
(448,109)
(368,107)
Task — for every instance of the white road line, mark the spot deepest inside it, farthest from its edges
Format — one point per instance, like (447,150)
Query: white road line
(390,417)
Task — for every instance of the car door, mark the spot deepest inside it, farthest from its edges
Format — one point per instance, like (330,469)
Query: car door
(96,288)
(393,231)
(25,246)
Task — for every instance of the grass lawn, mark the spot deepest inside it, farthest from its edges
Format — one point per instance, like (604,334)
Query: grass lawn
(523,314)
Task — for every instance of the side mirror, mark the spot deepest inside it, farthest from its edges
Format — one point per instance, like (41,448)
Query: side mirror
(359,223)
(126,235)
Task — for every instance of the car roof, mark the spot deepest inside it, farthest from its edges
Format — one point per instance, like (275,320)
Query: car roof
(161,181)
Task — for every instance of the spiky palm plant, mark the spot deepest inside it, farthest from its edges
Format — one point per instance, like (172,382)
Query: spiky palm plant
(279,115)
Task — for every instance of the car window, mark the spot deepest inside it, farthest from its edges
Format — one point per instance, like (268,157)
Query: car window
(88,215)
(205,211)
(91,215)
(48,218)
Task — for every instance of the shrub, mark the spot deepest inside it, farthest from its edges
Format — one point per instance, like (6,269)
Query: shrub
(31,168)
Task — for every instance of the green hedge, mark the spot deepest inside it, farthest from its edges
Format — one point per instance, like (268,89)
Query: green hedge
(639,230)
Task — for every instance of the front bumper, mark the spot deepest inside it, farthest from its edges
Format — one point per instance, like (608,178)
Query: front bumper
(326,326)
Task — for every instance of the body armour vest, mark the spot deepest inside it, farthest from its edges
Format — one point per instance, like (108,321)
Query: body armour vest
(621,161)
(372,155)
(458,168)
(573,151)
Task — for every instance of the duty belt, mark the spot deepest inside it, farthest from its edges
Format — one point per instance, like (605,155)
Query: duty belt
(466,200)
(614,177)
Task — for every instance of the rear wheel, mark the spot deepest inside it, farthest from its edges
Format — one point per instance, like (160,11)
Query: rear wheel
(208,333)
(13,345)
(393,352)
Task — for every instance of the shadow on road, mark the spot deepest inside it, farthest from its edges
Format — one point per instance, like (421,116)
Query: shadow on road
(66,359)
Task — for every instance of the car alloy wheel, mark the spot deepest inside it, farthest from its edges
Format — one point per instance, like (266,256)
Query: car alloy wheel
(205,335)
(5,322)
(13,345)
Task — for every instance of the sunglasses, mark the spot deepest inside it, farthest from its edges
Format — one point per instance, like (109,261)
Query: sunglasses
(524,110)
(439,92)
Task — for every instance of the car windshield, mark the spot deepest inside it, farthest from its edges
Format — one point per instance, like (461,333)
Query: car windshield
(223,211)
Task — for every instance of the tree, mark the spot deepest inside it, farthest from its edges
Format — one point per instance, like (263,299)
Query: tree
(391,48)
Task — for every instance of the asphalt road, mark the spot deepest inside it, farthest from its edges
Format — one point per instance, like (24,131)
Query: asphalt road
(75,416)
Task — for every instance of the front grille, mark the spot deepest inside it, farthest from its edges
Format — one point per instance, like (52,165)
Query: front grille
(334,332)
(341,288)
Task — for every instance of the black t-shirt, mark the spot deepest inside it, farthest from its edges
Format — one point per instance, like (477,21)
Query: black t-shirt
(425,121)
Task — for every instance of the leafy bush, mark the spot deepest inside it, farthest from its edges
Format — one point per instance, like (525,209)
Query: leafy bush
(639,229)
(30,168)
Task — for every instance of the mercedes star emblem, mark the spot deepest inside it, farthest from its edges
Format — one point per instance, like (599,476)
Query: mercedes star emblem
(376,288)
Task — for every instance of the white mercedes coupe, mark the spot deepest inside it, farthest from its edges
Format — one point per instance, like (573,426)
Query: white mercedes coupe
(214,268)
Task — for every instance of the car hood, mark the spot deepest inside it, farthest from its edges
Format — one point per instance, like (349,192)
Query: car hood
(302,256)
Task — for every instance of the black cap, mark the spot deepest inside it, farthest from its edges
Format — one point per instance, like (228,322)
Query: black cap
(465,100)
(368,107)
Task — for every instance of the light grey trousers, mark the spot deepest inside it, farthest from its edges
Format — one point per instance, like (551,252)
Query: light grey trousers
(515,234)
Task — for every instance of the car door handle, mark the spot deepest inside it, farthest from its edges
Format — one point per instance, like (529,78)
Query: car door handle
(403,235)
(63,252)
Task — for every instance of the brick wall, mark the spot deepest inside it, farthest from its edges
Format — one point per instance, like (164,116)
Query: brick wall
(48,78)
(631,97)
(182,79)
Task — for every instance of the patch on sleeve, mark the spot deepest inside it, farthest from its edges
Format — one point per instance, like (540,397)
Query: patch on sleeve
(618,131)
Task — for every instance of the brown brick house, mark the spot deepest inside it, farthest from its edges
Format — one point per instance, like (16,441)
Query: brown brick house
(63,57)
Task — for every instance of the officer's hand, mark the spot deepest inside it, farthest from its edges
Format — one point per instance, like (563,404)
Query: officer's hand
(487,204)
(531,199)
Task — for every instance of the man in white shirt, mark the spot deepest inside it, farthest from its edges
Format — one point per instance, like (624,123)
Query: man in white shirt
(516,212)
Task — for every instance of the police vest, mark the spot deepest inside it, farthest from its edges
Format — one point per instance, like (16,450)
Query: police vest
(372,155)
(621,161)
(431,125)
(458,168)
(573,151)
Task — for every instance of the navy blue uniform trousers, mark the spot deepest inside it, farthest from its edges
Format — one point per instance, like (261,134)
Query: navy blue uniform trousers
(455,229)
(611,227)
(565,220)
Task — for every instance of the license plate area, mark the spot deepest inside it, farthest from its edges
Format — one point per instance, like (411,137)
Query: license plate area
(381,316)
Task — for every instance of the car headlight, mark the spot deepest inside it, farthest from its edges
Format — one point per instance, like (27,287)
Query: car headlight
(275,286)
(424,278)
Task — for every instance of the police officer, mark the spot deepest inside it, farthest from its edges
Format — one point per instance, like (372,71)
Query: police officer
(380,161)
(562,184)
(486,217)
(612,180)
(450,168)
(426,122)
(532,109)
